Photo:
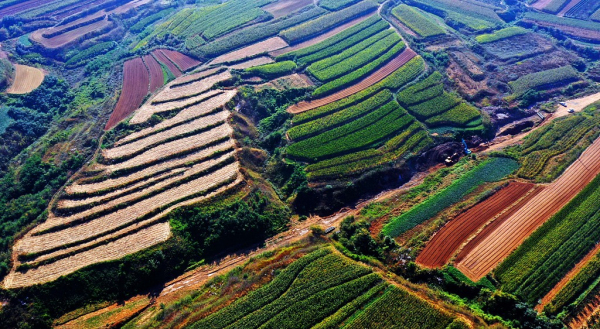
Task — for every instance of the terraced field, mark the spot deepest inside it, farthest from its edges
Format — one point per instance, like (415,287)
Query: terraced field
(117,206)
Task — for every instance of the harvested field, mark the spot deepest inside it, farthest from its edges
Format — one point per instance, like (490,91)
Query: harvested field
(183,62)
(569,30)
(541,4)
(253,62)
(149,172)
(187,128)
(114,250)
(156,74)
(509,235)
(68,37)
(568,7)
(186,114)
(193,77)
(27,78)
(167,62)
(287,82)
(115,314)
(135,87)
(321,37)
(252,50)
(372,79)
(145,112)
(286,7)
(445,243)
(519,46)
(175,93)
(124,217)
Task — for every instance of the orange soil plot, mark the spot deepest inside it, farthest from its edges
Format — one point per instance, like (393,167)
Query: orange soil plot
(145,112)
(444,243)
(135,87)
(510,234)
(182,61)
(110,251)
(372,79)
(165,60)
(320,38)
(156,74)
(27,78)
(252,50)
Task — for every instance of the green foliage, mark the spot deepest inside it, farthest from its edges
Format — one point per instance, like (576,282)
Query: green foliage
(82,56)
(336,4)
(327,22)
(146,21)
(490,170)
(5,120)
(555,6)
(461,115)
(539,80)
(570,22)
(273,70)
(422,91)
(338,42)
(7,73)
(359,73)
(416,21)
(554,249)
(435,106)
(501,34)
(461,13)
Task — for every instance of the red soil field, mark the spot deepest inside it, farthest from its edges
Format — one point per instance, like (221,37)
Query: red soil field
(372,79)
(444,243)
(541,4)
(135,87)
(182,61)
(165,60)
(21,7)
(510,234)
(156,74)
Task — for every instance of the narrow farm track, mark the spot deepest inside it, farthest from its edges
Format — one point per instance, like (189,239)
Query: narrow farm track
(185,159)
(372,79)
(444,243)
(136,81)
(510,234)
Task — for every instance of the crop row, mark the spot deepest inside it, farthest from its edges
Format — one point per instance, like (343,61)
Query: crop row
(360,73)
(336,4)
(83,55)
(583,10)
(255,33)
(554,6)
(354,57)
(416,21)
(501,34)
(337,43)
(467,14)
(354,135)
(422,91)
(146,21)
(340,117)
(490,170)
(273,70)
(576,23)
(543,79)
(435,106)
(553,249)
(327,22)
(461,115)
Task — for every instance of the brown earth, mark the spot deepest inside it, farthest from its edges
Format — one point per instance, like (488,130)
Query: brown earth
(135,87)
(27,78)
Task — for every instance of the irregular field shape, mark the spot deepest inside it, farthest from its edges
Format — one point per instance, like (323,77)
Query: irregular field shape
(27,79)
(156,74)
(165,60)
(370,80)
(135,87)
(182,61)
(508,236)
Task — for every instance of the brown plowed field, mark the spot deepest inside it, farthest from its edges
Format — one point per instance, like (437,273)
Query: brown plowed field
(145,112)
(21,7)
(27,78)
(579,320)
(541,4)
(165,60)
(568,7)
(572,273)
(285,7)
(69,36)
(135,87)
(156,74)
(182,61)
(77,8)
(319,38)
(252,50)
(445,242)
(372,79)
(569,30)
(510,234)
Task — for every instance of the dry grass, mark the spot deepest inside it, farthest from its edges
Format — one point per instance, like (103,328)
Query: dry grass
(27,78)
(252,50)
(147,110)
(253,62)
(177,92)
(186,114)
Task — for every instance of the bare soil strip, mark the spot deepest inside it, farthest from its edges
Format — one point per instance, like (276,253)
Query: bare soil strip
(145,112)
(176,93)
(541,4)
(372,79)
(252,50)
(27,79)
(253,62)
(510,234)
(285,7)
(110,251)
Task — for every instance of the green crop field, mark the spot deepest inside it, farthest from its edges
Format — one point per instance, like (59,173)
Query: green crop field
(469,14)
(552,250)
(417,21)
(555,6)
(488,171)
(273,70)
(541,80)
(336,4)
(501,34)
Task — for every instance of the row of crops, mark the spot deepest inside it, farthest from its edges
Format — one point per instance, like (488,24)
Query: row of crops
(550,252)
(417,21)
(428,101)
(570,22)
(491,170)
(565,138)
(468,14)
(501,34)
(584,9)
(350,294)
(544,79)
